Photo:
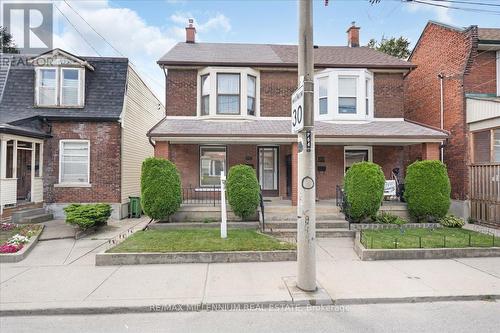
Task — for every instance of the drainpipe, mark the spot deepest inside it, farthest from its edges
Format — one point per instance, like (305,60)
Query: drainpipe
(441,78)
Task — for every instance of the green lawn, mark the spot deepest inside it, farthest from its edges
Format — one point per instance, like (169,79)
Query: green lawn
(199,240)
(426,238)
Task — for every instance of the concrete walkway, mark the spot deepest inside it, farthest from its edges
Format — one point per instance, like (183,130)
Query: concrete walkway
(60,275)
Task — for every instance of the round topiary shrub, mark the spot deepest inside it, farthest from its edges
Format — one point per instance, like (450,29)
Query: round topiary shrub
(364,189)
(243,190)
(427,190)
(160,188)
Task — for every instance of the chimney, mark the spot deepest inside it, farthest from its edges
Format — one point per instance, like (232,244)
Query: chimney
(190,32)
(353,35)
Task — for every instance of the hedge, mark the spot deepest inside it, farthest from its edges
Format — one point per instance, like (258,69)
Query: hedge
(364,188)
(243,190)
(160,188)
(87,216)
(427,190)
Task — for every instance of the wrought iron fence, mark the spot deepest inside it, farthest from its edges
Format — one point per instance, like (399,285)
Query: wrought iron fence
(201,196)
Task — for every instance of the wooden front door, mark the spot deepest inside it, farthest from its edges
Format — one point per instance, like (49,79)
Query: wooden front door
(268,171)
(23,175)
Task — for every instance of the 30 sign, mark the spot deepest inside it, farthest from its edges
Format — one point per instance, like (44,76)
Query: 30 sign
(298,110)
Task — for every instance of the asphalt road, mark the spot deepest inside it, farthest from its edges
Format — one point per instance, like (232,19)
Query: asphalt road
(421,317)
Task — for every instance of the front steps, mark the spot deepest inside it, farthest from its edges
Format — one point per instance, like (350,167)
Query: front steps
(30,216)
(281,221)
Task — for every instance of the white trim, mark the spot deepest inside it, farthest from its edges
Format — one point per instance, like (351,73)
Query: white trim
(275,150)
(68,184)
(498,73)
(199,162)
(59,86)
(368,148)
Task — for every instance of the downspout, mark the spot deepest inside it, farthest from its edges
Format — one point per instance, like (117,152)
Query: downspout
(441,106)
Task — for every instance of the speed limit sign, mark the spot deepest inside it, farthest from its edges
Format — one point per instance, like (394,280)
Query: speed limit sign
(298,110)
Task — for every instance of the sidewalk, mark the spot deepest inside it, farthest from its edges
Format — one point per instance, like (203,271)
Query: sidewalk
(59,276)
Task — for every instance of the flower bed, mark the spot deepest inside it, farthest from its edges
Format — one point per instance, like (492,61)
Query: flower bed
(13,237)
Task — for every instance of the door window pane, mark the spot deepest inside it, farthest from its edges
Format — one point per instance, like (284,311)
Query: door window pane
(74,162)
(37,159)
(70,86)
(228,93)
(47,87)
(268,168)
(355,156)
(212,163)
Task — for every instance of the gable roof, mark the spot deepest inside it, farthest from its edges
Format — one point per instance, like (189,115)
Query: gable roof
(104,92)
(271,55)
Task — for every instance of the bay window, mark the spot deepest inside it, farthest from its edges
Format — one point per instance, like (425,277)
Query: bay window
(347,95)
(323,95)
(74,162)
(228,92)
(212,163)
(59,86)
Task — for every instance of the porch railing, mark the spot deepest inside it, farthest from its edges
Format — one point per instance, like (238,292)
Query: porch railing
(485,193)
(209,196)
(261,197)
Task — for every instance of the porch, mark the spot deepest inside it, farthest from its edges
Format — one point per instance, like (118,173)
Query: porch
(21,170)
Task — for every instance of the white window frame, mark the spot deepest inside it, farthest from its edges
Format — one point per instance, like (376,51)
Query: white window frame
(73,184)
(199,166)
(58,88)
(333,94)
(368,148)
(498,73)
(212,109)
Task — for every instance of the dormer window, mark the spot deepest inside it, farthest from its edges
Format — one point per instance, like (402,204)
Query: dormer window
(59,86)
(344,94)
(228,92)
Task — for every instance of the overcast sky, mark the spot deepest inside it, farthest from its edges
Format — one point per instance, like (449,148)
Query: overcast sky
(145,30)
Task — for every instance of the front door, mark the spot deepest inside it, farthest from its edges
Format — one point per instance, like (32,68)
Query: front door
(23,175)
(268,171)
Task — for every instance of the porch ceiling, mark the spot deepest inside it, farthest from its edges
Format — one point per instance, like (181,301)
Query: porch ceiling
(394,131)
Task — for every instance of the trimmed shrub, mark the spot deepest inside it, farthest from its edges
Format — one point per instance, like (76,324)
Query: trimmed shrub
(87,216)
(427,190)
(364,188)
(388,218)
(243,190)
(160,188)
(451,221)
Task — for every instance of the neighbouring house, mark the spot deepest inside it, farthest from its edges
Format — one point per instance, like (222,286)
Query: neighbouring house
(229,104)
(72,130)
(456,86)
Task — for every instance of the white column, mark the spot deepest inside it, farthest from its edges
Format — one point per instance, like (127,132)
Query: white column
(32,196)
(223,225)
(14,160)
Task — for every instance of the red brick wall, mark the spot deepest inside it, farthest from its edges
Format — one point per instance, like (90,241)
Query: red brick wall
(186,158)
(276,89)
(181,92)
(390,157)
(105,165)
(333,175)
(482,76)
(442,50)
(388,92)
(162,149)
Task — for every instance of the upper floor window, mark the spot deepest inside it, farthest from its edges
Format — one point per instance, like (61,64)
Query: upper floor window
(59,86)
(228,92)
(344,94)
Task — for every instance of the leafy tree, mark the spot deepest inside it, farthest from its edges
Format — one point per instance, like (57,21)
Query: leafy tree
(397,47)
(7,42)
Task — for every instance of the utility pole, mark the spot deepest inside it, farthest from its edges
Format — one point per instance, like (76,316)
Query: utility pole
(306,208)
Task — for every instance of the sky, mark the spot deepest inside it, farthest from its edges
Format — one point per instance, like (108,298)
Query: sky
(145,30)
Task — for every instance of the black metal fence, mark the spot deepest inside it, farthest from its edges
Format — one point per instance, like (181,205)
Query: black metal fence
(209,196)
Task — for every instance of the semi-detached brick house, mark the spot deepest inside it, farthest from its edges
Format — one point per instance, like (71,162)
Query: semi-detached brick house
(72,130)
(466,61)
(229,104)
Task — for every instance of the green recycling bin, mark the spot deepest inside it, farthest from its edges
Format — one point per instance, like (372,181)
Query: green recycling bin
(135,207)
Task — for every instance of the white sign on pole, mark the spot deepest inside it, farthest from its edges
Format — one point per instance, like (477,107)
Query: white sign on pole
(298,110)
(223,225)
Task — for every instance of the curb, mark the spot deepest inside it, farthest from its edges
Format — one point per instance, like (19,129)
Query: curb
(237,306)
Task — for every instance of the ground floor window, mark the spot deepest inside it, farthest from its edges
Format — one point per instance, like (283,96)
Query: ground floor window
(212,163)
(486,146)
(496,145)
(74,161)
(355,154)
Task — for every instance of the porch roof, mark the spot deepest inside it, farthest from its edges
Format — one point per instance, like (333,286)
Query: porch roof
(177,128)
(22,131)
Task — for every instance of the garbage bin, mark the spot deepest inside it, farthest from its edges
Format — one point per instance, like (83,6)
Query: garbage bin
(135,207)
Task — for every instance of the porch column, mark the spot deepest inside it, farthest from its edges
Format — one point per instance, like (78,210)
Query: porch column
(295,175)
(430,151)
(162,149)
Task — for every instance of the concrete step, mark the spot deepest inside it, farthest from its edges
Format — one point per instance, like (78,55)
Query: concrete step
(334,224)
(19,215)
(291,218)
(320,233)
(36,218)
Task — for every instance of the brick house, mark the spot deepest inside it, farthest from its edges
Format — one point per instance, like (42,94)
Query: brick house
(456,86)
(72,130)
(229,104)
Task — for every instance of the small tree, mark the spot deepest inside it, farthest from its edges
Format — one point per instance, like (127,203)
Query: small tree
(243,190)
(364,188)
(7,42)
(397,47)
(427,190)
(160,188)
